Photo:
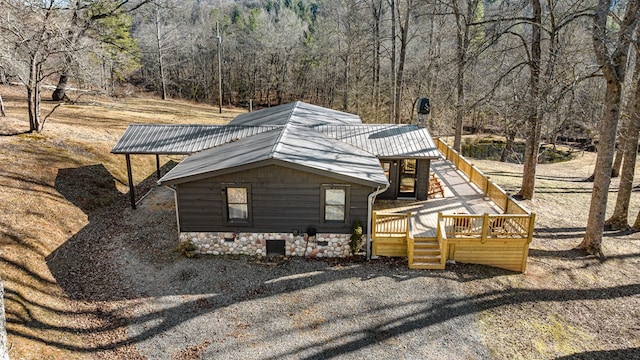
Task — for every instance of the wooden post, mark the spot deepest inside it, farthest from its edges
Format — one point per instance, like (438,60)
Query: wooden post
(158,166)
(485,228)
(486,186)
(532,222)
(132,194)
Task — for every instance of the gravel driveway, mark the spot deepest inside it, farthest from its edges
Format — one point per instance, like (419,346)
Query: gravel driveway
(274,308)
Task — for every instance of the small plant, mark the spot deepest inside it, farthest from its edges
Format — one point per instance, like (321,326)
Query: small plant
(355,242)
(186,248)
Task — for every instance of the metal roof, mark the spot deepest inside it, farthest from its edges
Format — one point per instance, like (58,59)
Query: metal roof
(180,139)
(297,113)
(406,141)
(300,135)
(290,145)
(381,140)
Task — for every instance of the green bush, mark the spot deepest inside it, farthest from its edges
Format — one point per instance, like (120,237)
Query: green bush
(355,242)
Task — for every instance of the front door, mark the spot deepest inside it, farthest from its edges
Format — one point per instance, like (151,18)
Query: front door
(408,178)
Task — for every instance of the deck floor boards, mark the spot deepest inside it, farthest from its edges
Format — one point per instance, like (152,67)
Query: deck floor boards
(460,196)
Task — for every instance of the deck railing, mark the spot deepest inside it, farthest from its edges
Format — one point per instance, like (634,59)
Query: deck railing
(508,204)
(500,240)
(391,224)
(483,227)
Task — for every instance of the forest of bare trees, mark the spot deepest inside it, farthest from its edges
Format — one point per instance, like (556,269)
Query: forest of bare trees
(525,69)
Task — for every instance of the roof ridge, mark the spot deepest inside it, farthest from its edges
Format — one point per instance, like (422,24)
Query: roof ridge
(293,110)
(278,143)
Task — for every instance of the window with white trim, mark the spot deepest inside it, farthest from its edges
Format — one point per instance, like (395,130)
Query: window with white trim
(237,203)
(335,203)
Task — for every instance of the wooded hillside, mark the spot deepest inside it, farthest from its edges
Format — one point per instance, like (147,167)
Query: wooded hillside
(372,57)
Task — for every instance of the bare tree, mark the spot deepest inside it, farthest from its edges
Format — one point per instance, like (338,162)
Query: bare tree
(100,20)
(613,60)
(464,21)
(630,132)
(36,34)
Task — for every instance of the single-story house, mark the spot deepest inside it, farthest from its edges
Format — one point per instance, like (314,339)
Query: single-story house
(289,180)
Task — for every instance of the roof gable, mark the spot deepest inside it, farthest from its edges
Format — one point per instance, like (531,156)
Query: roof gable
(296,113)
(291,146)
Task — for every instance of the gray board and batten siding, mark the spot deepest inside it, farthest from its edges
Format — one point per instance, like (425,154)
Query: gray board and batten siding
(282,200)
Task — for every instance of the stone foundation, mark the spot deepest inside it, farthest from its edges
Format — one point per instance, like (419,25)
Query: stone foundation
(225,243)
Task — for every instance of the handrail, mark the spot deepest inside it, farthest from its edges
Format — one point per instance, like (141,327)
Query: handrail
(442,241)
(487,226)
(506,202)
(390,223)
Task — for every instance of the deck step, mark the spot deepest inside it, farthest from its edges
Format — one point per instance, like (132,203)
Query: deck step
(426,245)
(427,266)
(429,251)
(426,255)
(426,258)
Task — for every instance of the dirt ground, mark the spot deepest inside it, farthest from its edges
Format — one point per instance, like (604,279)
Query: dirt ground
(87,277)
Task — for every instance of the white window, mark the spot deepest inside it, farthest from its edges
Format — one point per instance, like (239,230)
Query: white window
(237,204)
(335,203)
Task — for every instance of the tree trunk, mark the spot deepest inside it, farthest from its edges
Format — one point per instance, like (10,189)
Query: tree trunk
(460,62)
(534,121)
(394,73)
(163,81)
(613,68)
(602,173)
(508,148)
(61,88)
(376,9)
(404,40)
(345,96)
(463,27)
(2,111)
(33,94)
(631,131)
(617,161)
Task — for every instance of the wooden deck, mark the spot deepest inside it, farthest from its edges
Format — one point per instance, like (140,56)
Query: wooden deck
(468,219)
(460,197)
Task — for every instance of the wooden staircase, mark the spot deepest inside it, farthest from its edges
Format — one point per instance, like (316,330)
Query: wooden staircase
(425,254)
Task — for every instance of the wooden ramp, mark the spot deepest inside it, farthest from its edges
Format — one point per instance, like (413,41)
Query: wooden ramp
(472,221)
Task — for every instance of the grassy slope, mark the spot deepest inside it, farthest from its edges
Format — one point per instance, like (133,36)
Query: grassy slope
(566,303)
(38,217)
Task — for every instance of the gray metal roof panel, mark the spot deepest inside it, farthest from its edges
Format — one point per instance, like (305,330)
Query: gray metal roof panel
(296,113)
(292,144)
(180,139)
(306,147)
(385,140)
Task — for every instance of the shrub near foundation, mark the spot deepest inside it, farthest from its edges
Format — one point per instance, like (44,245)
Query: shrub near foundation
(355,241)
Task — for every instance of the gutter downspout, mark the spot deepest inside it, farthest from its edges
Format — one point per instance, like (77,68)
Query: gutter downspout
(371,198)
(175,199)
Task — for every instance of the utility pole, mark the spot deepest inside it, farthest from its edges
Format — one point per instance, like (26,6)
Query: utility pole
(219,67)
